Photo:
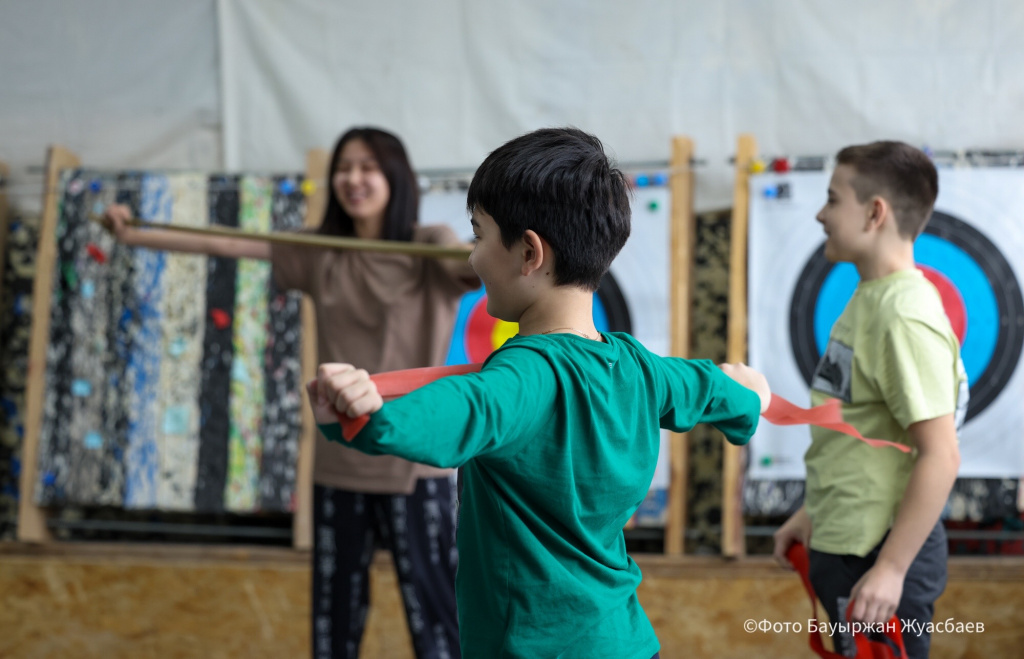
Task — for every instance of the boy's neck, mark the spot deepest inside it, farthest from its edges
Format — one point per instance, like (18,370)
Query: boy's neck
(885,262)
(560,309)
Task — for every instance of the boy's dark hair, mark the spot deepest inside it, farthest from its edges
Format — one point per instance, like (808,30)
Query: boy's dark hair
(559,183)
(903,175)
(402,211)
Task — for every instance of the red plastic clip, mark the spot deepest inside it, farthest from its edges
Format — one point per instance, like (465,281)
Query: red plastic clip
(96,253)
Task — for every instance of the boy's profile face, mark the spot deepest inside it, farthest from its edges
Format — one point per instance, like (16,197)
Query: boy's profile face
(496,266)
(844,219)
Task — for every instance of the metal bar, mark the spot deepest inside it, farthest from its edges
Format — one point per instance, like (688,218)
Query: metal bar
(169,527)
(952,534)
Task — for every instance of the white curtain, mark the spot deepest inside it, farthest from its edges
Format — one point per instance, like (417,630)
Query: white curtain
(122,84)
(455,78)
(253,84)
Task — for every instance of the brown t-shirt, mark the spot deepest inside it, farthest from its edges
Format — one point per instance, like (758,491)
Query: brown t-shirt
(380,312)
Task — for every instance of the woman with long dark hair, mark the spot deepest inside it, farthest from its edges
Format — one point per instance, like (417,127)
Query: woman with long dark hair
(381,312)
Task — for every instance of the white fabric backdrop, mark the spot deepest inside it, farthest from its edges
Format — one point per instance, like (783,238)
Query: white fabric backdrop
(455,78)
(253,84)
(122,84)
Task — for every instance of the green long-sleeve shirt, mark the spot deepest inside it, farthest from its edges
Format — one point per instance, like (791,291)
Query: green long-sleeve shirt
(559,436)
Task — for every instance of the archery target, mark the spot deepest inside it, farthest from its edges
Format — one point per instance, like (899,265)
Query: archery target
(977,280)
(477,334)
(633,297)
(956,258)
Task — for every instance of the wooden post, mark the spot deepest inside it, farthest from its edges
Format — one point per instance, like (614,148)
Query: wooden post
(683,236)
(32,518)
(302,521)
(733,536)
(5,182)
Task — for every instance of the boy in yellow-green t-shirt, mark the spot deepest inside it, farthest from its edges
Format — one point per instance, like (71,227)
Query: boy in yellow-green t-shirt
(871,516)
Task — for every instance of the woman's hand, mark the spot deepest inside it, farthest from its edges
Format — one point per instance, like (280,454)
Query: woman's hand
(115,219)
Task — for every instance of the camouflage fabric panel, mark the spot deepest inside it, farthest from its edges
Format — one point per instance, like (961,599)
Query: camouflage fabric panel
(978,499)
(250,340)
(54,444)
(16,283)
(282,419)
(708,341)
(972,499)
(771,498)
(122,297)
(182,312)
(92,479)
(143,370)
(218,354)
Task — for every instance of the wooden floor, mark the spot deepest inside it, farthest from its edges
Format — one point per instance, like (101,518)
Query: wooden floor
(111,601)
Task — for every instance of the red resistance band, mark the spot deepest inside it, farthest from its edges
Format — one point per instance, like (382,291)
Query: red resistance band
(395,384)
(828,415)
(866,648)
(781,412)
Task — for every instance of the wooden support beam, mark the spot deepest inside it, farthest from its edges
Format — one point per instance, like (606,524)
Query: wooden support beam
(682,236)
(32,518)
(302,522)
(733,536)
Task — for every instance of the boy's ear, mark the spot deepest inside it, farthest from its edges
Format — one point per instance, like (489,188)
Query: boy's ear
(536,252)
(879,210)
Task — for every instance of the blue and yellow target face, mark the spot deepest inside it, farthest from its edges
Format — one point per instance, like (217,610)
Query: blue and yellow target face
(979,292)
(477,334)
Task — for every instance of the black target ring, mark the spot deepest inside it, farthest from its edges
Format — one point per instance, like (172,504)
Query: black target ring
(614,303)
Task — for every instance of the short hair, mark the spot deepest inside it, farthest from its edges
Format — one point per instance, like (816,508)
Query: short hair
(402,211)
(559,183)
(903,175)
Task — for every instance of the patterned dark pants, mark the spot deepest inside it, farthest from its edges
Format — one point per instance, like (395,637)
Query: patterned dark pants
(419,529)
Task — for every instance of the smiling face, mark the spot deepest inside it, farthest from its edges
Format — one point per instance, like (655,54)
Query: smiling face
(844,218)
(361,187)
(498,267)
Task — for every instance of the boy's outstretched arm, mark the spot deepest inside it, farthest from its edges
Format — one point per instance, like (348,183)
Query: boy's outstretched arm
(878,592)
(447,422)
(730,397)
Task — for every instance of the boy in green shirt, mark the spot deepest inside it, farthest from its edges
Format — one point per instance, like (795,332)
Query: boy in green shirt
(871,516)
(558,434)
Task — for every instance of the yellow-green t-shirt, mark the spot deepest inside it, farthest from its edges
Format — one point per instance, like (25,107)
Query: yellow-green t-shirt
(893,360)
